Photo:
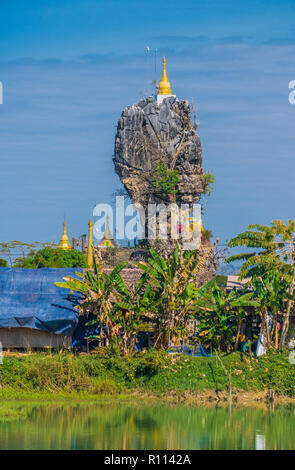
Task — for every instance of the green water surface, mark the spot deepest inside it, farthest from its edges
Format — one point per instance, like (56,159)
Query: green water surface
(148,426)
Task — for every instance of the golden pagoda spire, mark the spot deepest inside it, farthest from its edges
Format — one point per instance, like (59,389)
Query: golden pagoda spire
(199,221)
(64,243)
(107,240)
(107,233)
(164,85)
(90,247)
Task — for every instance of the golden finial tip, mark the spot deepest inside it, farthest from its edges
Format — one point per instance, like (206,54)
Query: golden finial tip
(164,85)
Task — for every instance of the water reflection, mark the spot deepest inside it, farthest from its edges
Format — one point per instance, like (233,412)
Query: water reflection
(259,441)
(118,426)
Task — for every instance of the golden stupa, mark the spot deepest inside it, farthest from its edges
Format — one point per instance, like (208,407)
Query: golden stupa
(193,224)
(164,84)
(107,240)
(64,243)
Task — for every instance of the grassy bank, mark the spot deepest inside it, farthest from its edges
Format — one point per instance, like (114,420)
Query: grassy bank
(154,374)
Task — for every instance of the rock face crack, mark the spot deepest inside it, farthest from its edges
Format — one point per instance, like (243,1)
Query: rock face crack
(148,134)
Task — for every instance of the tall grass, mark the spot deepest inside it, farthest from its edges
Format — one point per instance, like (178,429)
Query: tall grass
(153,372)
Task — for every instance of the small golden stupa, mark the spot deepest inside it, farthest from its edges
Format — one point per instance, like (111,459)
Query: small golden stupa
(192,224)
(107,240)
(64,243)
(164,84)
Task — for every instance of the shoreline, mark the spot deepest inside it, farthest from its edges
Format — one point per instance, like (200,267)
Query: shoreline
(151,377)
(207,398)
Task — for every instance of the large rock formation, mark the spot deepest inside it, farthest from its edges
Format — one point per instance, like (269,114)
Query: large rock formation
(148,134)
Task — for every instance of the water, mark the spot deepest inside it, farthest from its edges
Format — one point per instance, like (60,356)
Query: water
(115,426)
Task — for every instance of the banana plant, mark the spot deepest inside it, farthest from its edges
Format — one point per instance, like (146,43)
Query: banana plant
(274,252)
(220,314)
(173,279)
(97,288)
(272,294)
(129,310)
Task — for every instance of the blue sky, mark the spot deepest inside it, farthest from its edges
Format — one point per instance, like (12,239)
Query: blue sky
(69,67)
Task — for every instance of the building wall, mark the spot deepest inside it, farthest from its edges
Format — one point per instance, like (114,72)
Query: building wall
(22,338)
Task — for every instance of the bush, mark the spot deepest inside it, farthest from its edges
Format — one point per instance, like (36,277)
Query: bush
(151,372)
(151,362)
(207,181)
(165,180)
(105,386)
(53,258)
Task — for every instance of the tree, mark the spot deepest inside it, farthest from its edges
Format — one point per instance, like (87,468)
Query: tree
(3,263)
(173,278)
(97,288)
(273,256)
(11,248)
(14,248)
(50,257)
(220,314)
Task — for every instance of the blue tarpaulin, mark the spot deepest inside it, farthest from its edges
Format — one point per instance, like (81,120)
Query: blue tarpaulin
(29,299)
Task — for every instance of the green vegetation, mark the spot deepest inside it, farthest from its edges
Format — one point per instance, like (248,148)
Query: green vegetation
(173,279)
(39,255)
(3,263)
(52,258)
(165,179)
(119,309)
(163,296)
(167,296)
(207,180)
(220,314)
(151,373)
(97,288)
(12,249)
(128,311)
(271,272)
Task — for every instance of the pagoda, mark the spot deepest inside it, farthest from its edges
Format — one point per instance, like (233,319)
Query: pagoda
(107,240)
(64,243)
(164,88)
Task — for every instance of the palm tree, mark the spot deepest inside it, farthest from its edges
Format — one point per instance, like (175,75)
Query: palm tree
(275,248)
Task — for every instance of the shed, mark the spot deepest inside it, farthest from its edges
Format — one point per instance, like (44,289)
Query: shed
(34,313)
